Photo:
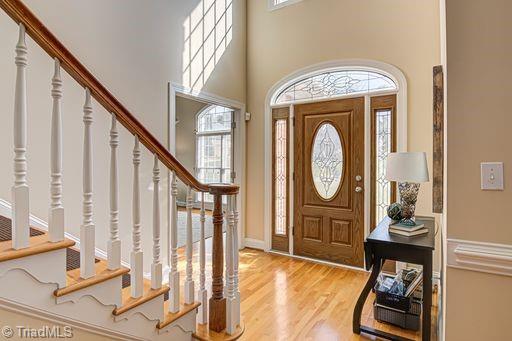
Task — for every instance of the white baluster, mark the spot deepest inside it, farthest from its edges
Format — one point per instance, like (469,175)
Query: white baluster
(230,294)
(202,293)
(156,266)
(189,282)
(174,275)
(56,214)
(114,243)
(20,190)
(87,230)
(236,289)
(136,256)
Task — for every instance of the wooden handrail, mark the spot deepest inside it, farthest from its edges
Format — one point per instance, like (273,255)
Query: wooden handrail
(44,38)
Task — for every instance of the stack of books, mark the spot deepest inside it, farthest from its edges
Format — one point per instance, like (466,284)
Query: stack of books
(408,231)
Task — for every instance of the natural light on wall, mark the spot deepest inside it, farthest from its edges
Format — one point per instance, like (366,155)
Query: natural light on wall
(208,32)
(276,4)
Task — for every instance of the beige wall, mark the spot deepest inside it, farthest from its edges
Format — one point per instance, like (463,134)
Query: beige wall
(403,33)
(134,48)
(186,111)
(479,121)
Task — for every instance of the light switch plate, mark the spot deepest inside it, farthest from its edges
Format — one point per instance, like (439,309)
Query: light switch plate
(492,176)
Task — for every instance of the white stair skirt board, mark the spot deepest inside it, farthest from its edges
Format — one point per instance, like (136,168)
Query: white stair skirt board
(183,327)
(38,266)
(480,256)
(151,310)
(37,299)
(106,293)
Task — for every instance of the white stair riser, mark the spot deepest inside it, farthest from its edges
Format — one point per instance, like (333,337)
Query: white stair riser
(48,267)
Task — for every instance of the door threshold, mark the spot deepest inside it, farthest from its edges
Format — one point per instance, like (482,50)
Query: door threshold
(320,261)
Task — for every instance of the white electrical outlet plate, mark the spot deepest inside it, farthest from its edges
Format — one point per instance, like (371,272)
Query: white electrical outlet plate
(492,176)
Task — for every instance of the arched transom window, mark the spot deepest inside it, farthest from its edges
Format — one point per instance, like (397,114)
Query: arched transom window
(335,83)
(213,143)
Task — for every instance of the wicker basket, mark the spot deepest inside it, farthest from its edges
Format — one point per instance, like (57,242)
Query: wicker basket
(409,319)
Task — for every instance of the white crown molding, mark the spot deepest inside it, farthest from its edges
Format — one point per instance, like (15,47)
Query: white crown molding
(480,256)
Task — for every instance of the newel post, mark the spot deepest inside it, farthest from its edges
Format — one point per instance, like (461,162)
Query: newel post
(217,312)
(217,301)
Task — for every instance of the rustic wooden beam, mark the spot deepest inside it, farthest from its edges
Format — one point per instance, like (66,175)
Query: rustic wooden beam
(438,140)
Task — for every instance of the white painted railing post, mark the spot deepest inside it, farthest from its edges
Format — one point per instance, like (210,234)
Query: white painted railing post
(136,256)
(20,190)
(236,254)
(189,282)
(230,299)
(202,293)
(174,275)
(114,243)
(56,214)
(87,230)
(156,266)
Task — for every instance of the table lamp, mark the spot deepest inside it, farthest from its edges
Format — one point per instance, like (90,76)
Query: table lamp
(409,170)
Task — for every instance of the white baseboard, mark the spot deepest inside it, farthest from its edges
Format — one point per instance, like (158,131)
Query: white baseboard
(254,243)
(480,256)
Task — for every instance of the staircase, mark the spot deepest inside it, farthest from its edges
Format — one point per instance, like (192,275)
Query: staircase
(43,270)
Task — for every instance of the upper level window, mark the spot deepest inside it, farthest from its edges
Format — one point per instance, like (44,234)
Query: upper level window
(275,4)
(335,83)
(213,143)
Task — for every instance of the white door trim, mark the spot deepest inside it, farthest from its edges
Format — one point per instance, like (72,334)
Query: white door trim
(239,138)
(389,70)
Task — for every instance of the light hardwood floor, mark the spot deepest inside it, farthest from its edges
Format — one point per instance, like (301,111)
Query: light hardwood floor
(291,299)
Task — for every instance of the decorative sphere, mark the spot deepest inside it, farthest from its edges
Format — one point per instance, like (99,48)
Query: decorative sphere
(395,211)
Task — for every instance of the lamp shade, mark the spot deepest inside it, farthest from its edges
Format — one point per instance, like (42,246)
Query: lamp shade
(407,167)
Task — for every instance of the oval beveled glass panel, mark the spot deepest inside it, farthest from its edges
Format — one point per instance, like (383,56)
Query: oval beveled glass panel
(327,161)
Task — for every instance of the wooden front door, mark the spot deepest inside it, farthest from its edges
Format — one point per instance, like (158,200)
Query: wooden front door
(329,169)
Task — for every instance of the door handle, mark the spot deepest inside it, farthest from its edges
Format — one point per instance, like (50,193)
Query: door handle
(359,189)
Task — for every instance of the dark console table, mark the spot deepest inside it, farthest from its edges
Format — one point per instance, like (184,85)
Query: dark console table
(381,245)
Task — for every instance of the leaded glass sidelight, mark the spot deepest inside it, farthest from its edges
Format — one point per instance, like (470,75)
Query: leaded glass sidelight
(327,161)
(335,83)
(383,138)
(280,176)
